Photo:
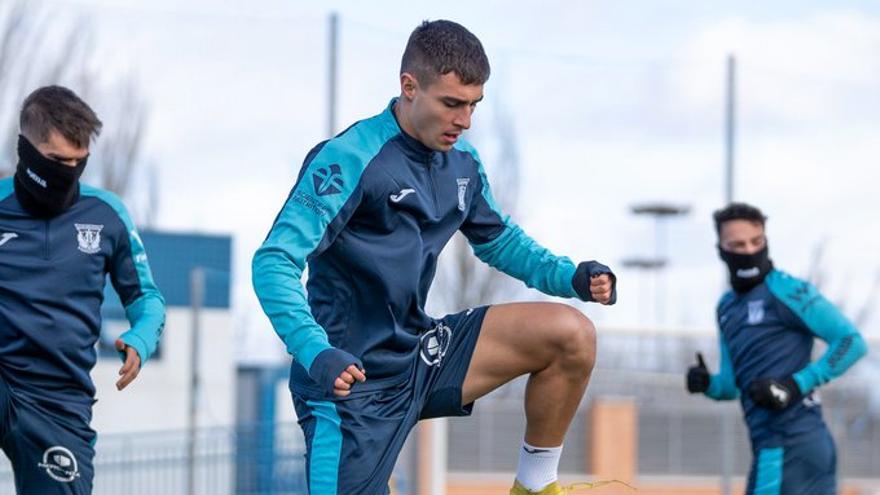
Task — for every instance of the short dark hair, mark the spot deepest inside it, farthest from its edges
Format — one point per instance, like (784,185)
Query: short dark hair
(60,109)
(738,211)
(436,48)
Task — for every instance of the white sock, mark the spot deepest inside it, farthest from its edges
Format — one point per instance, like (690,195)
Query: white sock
(538,466)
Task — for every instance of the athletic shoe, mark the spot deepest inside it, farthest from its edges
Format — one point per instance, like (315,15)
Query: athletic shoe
(556,489)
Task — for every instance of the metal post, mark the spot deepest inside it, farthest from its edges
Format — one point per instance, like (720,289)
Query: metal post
(659,279)
(333,48)
(439,453)
(196,295)
(730,129)
(265,431)
(727,441)
(432,457)
(659,211)
(644,265)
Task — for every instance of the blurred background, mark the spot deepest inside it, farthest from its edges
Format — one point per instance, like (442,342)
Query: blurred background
(610,131)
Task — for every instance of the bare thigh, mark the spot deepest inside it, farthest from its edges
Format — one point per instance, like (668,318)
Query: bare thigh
(524,338)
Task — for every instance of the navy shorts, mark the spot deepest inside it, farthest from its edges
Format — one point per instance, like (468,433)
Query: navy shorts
(352,444)
(805,467)
(48,456)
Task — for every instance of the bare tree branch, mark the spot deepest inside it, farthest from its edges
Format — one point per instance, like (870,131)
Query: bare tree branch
(870,306)
(30,59)
(119,149)
(844,300)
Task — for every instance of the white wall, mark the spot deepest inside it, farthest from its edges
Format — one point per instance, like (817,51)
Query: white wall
(159,398)
(284,411)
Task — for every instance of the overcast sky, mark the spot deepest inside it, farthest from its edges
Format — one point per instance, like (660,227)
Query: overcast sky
(613,103)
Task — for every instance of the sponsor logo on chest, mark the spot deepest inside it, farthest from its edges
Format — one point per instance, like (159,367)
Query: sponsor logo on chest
(397,198)
(6,237)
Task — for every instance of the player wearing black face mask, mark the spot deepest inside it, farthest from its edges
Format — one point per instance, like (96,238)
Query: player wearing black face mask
(59,240)
(746,270)
(45,187)
(767,324)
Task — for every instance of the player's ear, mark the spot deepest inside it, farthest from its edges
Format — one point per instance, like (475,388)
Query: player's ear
(408,85)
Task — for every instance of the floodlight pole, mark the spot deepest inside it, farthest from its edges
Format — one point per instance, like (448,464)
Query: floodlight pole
(660,211)
(644,264)
(730,129)
(333,60)
(727,441)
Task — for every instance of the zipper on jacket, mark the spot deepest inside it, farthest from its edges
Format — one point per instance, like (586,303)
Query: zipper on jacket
(46,251)
(433,183)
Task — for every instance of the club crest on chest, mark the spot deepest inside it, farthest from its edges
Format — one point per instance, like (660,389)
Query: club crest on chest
(755,312)
(88,237)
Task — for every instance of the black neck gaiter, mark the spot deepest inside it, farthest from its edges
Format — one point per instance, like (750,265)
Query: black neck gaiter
(45,187)
(747,270)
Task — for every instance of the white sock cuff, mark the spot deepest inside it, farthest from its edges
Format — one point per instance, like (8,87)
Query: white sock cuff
(541,451)
(537,466)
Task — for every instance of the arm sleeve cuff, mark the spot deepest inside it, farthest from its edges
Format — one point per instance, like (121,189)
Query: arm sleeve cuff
(329,364)
(135,341)
(581,280)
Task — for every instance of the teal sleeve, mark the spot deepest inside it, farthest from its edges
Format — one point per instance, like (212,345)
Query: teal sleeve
(132,278)
(518,255)
(317,209)
(146,314)
(823,319)
(147,319)
(511,250)
(276,280)
(722,385)
(278,265)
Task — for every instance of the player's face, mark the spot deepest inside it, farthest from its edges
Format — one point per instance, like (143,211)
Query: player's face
(442,110)
(58,148)
(742,237)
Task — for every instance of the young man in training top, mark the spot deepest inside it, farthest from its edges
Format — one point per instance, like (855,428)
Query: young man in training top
(768,323)
(59,240)
(371,211)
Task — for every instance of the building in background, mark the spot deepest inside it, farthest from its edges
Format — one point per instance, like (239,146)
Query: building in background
(159,399)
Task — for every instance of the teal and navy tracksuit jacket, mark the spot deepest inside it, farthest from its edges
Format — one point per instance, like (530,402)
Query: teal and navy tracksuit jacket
(768,332)
(369,215)
(52,276)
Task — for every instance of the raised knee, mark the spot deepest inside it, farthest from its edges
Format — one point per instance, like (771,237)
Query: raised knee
(576,339)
